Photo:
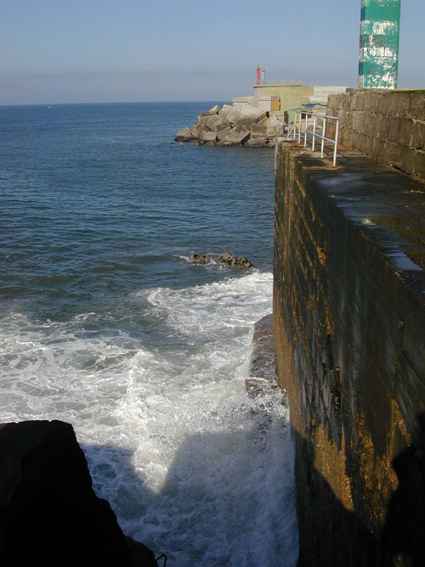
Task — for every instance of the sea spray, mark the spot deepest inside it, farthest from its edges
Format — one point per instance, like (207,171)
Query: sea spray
(191,465)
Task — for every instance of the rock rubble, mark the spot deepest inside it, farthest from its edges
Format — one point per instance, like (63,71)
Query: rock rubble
(231,126)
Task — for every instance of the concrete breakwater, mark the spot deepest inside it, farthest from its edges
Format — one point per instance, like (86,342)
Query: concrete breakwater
(234,125)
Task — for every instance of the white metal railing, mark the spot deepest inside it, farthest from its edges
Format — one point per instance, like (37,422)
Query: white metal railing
(315,126)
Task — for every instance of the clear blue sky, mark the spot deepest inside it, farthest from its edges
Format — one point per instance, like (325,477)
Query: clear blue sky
(136,50)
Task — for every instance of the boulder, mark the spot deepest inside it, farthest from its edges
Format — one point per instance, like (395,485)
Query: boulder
(230,115)
(196,132)
(214,110)
(213,123)
(274,126)
(202,259)
(251,119)
(256,141)
(185,135)
(207,137)
(49,512)
(260,127)
(262,116)
(235,261)
(232,137)
(224,134)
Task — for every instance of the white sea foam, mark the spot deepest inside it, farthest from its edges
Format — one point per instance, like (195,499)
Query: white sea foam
(191,465)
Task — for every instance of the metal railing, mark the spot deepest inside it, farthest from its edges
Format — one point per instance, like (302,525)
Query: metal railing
(315,126)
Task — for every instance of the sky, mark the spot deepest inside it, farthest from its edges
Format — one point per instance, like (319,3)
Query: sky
(56,51)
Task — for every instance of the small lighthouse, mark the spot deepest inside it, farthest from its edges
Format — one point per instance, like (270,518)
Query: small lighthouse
(379,44)
(260,75)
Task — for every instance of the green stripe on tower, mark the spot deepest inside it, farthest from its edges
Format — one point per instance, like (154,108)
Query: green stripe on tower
(379,44)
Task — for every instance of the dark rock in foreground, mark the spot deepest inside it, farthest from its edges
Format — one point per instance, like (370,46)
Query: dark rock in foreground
(225,259)
(49,513)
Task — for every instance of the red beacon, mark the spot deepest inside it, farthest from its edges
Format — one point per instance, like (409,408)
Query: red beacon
(259,75)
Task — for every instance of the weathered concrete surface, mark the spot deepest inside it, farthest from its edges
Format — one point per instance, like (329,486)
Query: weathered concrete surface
(387,126)
(349,321)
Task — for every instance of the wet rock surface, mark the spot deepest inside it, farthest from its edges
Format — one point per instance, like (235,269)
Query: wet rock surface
(263,359)
(226,259)
(49,513)
(230,126)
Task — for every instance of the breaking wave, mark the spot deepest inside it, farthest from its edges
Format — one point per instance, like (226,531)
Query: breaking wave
(191,465)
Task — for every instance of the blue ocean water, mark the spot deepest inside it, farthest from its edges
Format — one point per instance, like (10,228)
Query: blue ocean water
(105,324)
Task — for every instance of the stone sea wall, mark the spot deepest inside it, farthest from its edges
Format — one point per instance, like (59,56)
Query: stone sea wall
(349,320)
(388,126)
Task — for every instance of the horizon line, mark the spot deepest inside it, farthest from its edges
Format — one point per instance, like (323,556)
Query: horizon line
(81,103)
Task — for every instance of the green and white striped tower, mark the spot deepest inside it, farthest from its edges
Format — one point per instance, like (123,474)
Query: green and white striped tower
(379,44)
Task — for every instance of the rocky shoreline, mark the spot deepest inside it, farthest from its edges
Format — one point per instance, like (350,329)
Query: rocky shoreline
(234,125)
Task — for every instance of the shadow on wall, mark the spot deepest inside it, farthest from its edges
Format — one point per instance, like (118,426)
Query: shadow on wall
(405,527)
(331,535)
(228,498)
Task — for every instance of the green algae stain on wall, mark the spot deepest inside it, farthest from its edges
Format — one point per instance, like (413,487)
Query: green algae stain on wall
(379,44)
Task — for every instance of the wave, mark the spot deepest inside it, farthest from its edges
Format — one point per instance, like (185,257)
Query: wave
(190,464)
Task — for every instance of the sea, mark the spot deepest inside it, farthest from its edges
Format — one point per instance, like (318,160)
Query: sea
(106,324)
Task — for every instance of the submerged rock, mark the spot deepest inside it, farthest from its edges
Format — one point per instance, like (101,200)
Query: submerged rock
(226,259)
(49,512)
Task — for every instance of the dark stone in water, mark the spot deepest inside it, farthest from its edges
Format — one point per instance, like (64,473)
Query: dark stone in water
(226,259)
(49,513)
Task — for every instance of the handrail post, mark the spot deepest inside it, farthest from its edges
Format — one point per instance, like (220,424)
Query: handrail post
(313,143)
(322,150)
(336,141)
(299,127)
(306,128)
(276,151)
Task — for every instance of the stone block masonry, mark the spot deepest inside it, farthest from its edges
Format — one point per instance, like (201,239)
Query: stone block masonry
(349,320)
(387,126)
